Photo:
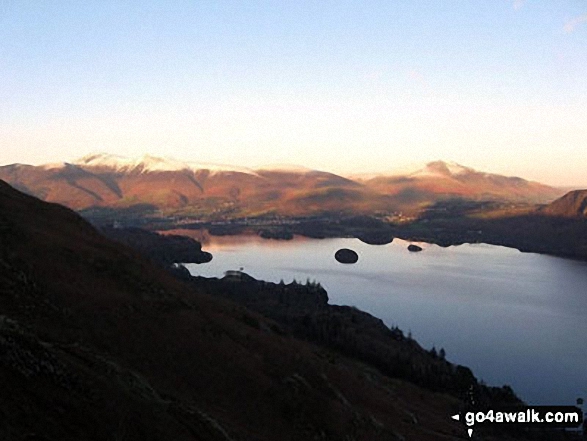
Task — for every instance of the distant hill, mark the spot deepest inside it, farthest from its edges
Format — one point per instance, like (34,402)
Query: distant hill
(449,179)
(573,205)
(214,191)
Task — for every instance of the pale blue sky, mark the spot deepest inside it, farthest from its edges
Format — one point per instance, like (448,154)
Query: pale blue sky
(345,86)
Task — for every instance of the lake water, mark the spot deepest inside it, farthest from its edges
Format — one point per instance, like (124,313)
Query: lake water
(513,318)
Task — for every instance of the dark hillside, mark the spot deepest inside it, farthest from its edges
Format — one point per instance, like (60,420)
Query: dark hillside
(97,343)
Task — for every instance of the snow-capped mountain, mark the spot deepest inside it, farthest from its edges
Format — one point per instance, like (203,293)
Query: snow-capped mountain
(449,179)
(148,163)
(106,180)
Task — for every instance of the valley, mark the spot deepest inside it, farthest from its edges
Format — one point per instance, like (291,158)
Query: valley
(442,202)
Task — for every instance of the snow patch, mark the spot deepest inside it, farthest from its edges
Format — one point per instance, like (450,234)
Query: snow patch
(442,169)
(150,164)
(457,169)
(54,166)
(415,170)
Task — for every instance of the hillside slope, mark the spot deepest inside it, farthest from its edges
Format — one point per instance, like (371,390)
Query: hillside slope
(97,343)
(572,205)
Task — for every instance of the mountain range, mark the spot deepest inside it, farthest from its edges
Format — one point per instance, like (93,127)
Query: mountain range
(213,191)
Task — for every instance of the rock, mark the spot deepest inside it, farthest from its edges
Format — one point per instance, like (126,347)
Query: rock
(344,255)
(414,248)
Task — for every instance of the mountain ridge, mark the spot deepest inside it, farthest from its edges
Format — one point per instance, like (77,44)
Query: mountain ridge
(221,191)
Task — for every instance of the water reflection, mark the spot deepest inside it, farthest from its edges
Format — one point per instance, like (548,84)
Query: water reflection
(514,318)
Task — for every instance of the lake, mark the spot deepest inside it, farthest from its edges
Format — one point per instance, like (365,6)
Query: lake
(513,318)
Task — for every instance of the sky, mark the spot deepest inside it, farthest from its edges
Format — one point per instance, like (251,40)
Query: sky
(344,86)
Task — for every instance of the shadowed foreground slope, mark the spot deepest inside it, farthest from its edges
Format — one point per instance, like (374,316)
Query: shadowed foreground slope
(97,343)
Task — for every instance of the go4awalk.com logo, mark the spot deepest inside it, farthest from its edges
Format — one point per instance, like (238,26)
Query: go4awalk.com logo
(554,417)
